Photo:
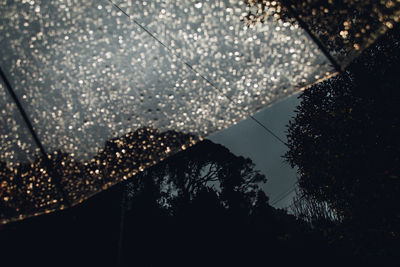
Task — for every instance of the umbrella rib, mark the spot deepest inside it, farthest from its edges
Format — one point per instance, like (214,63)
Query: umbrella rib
(193,69)
(28,123)
(23,113)
(320,45)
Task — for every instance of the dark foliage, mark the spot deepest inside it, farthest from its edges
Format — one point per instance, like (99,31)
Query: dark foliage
(345,143)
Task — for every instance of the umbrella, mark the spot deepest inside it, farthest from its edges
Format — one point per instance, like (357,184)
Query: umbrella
(95,91)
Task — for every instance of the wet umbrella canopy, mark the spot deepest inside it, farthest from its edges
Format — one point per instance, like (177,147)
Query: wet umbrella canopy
(108,89)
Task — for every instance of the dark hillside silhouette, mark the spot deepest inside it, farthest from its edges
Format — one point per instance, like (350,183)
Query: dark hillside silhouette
(202,206)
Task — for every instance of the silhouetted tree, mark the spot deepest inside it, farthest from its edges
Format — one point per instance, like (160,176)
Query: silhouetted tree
(344,142)
(204,206)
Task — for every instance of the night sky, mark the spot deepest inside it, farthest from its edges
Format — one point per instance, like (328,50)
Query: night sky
(249,139)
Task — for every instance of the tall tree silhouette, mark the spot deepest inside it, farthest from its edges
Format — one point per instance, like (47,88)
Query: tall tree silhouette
(344,141)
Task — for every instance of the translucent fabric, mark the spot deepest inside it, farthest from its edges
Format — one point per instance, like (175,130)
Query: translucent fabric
(347,27)
(113,89)
(25,185)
